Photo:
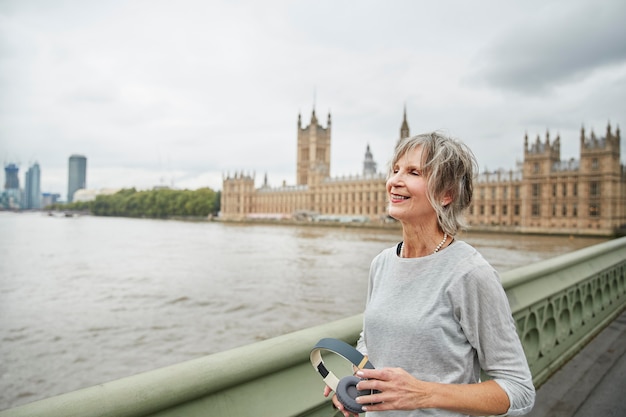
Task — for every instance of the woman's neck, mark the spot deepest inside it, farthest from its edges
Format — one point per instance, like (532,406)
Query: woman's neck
(418,242)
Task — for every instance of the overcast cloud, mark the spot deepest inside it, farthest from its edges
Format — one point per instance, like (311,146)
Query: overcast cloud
(181,93)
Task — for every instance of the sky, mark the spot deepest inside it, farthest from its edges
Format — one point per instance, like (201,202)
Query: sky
(182,93)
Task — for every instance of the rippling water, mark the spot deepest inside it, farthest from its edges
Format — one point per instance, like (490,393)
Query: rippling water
(90,299)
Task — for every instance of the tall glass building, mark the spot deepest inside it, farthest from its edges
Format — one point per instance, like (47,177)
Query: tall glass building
(11,180)
(32,188)
(11,197)
(77,175)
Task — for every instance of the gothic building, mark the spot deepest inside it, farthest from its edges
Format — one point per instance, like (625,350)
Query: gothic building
(547,195)
(313,151)
(316,193)
(542,195)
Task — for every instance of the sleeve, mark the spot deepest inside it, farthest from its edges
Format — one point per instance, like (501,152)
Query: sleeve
(482,308)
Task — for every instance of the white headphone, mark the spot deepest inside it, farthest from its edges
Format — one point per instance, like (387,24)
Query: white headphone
(346,387)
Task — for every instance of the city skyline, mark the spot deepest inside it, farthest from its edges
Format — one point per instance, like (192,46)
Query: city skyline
(221,89)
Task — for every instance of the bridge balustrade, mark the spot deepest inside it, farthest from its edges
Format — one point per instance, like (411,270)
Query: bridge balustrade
(561,303)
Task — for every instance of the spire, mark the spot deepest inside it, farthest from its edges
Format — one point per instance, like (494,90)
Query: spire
(582,135)
(526,141)
(556,146)
(369,165)
(404,129)
(313,116)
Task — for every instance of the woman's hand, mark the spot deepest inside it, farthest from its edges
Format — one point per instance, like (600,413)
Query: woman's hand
(337,404)
(399,390)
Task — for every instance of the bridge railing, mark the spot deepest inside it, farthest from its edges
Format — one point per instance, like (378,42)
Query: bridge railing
(558,304)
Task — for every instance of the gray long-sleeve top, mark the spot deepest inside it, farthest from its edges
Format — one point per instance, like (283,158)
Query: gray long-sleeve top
(442,318)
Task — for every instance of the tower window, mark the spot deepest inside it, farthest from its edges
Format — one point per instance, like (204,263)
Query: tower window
(536,190)
(536,208)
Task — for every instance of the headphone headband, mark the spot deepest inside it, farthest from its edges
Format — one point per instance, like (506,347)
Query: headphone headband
(342,349)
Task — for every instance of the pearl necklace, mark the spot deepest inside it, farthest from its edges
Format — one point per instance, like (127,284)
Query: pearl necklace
(445,237)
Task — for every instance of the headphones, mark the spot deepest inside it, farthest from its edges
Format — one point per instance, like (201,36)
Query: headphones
(346,387)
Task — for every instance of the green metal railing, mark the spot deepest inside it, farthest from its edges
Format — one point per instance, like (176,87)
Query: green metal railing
(558,304)
(561,303)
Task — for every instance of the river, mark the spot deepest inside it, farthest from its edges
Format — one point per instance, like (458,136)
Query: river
(85,300)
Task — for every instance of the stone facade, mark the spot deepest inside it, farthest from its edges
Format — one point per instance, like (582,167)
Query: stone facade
(316,195)
(547,195)
(542,195)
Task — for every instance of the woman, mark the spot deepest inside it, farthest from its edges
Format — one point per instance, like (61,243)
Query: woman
(436,312)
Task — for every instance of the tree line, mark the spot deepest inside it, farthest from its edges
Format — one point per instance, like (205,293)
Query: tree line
(158,204)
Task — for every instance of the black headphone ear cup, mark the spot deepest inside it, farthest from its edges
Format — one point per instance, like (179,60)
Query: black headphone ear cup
(347,392)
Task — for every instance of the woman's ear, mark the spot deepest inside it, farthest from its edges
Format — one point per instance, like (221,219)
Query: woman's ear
(446,200)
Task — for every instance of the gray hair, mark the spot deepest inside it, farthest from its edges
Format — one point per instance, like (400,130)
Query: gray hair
(449,167)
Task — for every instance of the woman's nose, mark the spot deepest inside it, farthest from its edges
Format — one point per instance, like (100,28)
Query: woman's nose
(394,179)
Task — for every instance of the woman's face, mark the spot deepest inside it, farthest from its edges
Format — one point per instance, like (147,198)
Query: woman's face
(407,190)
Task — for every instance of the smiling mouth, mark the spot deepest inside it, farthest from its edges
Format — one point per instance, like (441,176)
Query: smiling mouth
(398,197)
